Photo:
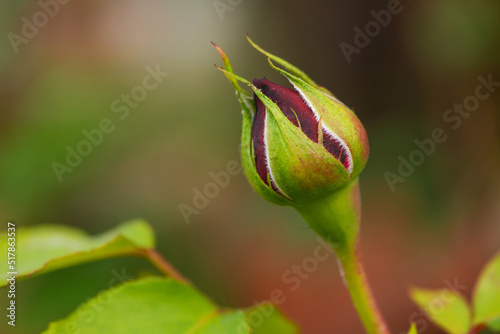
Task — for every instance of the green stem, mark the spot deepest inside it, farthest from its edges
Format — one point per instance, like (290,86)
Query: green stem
(336,218)
(361,295)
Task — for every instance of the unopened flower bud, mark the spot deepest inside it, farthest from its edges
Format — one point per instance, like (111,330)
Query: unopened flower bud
(299,144)
(302,147)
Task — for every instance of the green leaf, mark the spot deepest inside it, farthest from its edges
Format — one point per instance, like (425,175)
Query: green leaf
(446,308)
(152,305)
(413,329)
(158,305)
(267,319)
(43,248)
(486,297)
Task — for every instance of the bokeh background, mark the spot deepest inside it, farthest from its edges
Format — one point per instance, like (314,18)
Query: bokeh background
(441,224)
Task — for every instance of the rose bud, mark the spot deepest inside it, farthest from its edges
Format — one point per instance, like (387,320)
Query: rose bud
(298,144)
(302,147)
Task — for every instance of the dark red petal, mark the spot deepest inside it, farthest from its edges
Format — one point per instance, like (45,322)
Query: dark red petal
(298,112)
(335,148)
(259,145)
(288,99)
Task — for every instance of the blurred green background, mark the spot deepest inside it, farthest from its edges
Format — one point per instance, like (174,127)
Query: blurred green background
(441,224)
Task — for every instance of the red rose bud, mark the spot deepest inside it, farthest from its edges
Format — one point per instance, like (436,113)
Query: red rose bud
(298,144)
(304,148)
(301,115)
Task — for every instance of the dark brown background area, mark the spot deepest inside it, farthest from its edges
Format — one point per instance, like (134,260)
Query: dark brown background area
(440,225)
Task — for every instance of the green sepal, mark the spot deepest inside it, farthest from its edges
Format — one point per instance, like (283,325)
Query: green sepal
(335,116)
(302,169)
(229,68)
(291,68)
(247,153)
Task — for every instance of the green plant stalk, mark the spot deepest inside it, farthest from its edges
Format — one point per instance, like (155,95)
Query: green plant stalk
(355,278)
(336,218)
